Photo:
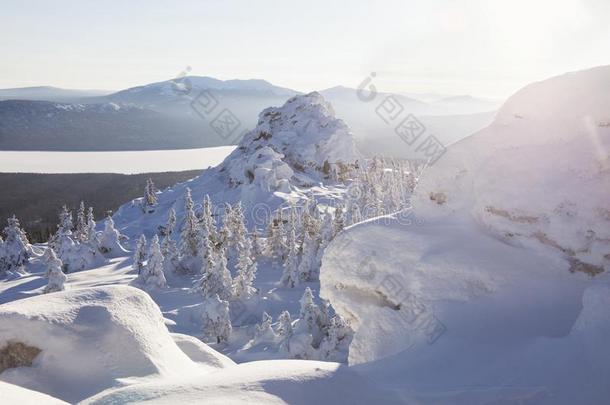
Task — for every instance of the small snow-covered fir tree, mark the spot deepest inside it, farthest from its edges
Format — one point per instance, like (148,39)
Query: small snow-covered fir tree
(54,273)
(244,280)
(335,344)
(16,248)
(284,327)
(217,279)
(258,247)
(81,232)
(290,276)
(150,197)
(110,240)
(169,249)
(92,237)
(139,255)
(190,238)
(306,269)
(216,319)
(264,332)
(154,276)
(338,221)
(276,238)
(64,228)
(208,220)
(308,313)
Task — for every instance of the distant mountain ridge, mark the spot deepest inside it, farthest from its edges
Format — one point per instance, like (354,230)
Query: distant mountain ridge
(164,115)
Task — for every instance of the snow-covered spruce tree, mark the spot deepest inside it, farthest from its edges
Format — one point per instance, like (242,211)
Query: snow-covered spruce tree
(81,232)
(246,273)
(170,224)
(284,331)
(169,249)
(216,319)
(154,276)
(258,247)
(110,240)
(139,255)
(92,237)
(308,320)
(16,249)
(150,197)
(239,239)
(225,234)
(190,238)
(335,344)
(284,326)
(264,332)
(309,250)
(338,221)
(54,273)
(290,276)
(276,238)
(325,236)
(217,279)
(64,228)
(355,214)
(208,221)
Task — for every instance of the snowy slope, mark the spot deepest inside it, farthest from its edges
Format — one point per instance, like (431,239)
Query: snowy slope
(468,302)
(290,149)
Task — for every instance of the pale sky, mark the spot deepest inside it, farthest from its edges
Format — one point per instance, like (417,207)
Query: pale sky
(480,47)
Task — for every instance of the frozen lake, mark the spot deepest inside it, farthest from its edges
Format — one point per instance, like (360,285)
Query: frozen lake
(127,162)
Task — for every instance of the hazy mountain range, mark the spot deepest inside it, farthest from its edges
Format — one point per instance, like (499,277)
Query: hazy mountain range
(177,114)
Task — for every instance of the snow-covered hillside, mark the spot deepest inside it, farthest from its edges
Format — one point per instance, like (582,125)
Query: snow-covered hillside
(495,290)
(491,287)
(293,147)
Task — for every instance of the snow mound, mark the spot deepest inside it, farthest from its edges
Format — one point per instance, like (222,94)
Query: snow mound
(91,339)
(260,382)
(444,313)
(14,394)
(540,174)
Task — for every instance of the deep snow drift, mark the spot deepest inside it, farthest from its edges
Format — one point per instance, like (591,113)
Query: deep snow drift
(487,294)
(540,174)
(110,345)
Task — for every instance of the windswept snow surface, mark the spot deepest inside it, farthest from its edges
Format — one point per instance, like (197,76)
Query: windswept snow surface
(540,174)
(110,345)
(485,293)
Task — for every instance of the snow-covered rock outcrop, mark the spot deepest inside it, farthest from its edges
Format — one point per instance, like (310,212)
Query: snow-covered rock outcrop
(540,174)
(93,339)
(302,141)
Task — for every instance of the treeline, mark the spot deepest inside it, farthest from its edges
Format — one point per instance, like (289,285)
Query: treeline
(36,199)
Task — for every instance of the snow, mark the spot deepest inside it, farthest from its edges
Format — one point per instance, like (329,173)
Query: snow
(481,292)
(456,302)
(13,394)
(128,162)
(540,174)
(90,339)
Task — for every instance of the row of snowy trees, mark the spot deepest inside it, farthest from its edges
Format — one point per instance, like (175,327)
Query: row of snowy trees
(316,334)
(381,186)
(77,243)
